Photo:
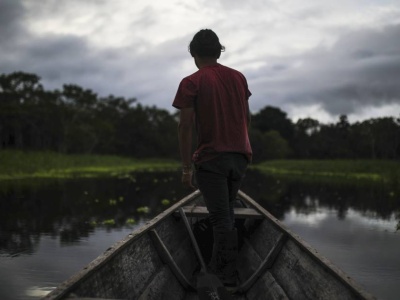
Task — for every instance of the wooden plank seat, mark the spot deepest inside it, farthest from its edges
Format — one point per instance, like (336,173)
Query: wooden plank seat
(201,212)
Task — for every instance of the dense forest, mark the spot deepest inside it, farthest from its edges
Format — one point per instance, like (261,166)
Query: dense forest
(77,120)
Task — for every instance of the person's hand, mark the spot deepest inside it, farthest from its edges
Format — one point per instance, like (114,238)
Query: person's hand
(187,179)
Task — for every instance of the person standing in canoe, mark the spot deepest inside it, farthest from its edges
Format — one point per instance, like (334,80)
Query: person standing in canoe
(214,100)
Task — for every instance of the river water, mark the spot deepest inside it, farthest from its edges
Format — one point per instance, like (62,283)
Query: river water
(50,229)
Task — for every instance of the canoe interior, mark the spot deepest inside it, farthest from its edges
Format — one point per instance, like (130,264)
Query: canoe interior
(136,269)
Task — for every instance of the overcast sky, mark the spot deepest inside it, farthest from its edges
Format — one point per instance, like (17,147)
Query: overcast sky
(310,58)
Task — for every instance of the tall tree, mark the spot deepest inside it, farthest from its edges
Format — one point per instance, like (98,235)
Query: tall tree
(80,135)
(304,137)
(386,136)
(272,118)
(341,133)
(76,120)
(268,145)
(19,93)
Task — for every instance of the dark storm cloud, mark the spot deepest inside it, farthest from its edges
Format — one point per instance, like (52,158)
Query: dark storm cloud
(361,69)
(51,56)
(12,32)
(10,15)
(370,63)
(65,58)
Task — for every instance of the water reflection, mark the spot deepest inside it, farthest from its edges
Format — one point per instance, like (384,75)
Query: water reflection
(51,229)
(71,209)
(373,199)
(364,246)
(353,224)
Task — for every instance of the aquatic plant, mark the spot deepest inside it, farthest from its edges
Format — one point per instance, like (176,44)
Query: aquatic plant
(143,209)
(130,221)
(109,222)
(165,202)
(112,202)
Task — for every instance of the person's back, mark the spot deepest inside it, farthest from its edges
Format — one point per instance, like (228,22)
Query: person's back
(216,97)
(221,111)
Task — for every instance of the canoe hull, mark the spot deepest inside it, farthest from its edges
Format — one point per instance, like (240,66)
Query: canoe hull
(158,262)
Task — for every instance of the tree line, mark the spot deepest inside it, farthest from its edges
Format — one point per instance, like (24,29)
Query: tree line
(77,120)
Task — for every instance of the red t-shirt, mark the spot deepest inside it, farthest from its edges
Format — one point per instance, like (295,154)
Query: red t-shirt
(219,96)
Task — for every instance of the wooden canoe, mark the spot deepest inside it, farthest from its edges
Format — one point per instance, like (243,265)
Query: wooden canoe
(157,261)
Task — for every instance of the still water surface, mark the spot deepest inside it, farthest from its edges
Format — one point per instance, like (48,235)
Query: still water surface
(51,229)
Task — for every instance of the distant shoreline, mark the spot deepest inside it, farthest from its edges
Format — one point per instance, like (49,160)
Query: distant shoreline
(385,170)
(24,165)
(30,165)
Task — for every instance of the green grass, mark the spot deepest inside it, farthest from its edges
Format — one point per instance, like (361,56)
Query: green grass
(351,169)
(23,165)
(27,165)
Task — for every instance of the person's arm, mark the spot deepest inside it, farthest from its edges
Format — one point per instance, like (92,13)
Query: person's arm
(185,129)
(248,114)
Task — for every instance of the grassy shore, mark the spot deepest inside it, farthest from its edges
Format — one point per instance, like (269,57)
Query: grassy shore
(22,165)
(351,169)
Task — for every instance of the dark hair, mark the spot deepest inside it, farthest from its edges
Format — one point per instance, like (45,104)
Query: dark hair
(206,43)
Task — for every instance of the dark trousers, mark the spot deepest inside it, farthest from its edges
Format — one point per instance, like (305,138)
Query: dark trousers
(219,180)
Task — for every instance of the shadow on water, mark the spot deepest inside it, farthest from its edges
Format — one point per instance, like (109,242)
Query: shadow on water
(72,221)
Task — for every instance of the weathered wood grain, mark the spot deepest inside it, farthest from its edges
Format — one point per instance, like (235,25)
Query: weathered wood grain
(309,253)
(266,287)
(194,296)
(163,286)
(266,263)
(167,258)
(294,269)
(264,238)
(133,268)
(248,261)
(240,213)
(175,237)
(126,275)
(80,298)
(89,275)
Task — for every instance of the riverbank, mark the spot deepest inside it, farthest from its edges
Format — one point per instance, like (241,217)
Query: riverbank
(25,165)
(384,170)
